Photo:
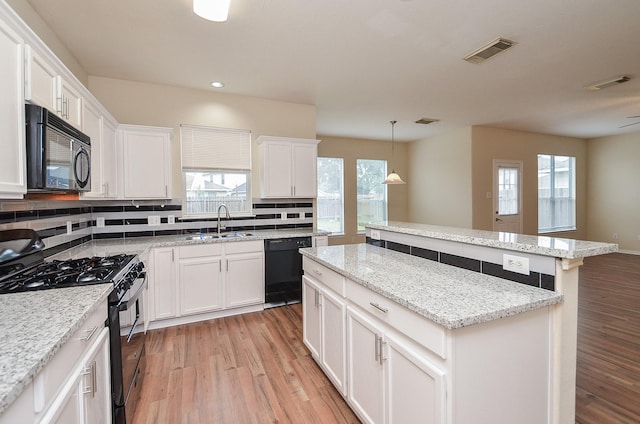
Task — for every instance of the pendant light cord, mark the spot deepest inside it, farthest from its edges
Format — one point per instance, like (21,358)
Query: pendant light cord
(393,124)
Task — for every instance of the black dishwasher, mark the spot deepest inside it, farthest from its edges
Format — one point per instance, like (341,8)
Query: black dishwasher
(283,270)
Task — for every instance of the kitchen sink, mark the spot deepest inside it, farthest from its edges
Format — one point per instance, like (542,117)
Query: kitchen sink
(210,236)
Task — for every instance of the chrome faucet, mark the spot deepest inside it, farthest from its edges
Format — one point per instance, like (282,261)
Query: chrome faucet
(220,227)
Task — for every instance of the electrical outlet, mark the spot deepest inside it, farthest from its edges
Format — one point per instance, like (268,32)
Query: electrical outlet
(615,236)
(283,216)
(301,215)
(514,263)
(100,222)
(153,220)
(375,234)
(171,219)
(69,227)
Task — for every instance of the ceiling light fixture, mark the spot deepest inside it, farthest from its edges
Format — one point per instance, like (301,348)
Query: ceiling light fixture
(217,84)
(212,10)
(393,178)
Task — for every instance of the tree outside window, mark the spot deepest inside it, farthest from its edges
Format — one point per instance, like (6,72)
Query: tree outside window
(372,193)
(330,200)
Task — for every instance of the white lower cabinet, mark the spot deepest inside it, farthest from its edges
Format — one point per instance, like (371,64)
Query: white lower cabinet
(198,279)
(324,330)
(403,368)
(86,396)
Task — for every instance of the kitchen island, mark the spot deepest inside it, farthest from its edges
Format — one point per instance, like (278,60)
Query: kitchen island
(498,346)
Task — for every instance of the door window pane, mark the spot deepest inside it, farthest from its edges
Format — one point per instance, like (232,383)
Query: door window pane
(372,194)
(330,201)
(508,191)
(556,193)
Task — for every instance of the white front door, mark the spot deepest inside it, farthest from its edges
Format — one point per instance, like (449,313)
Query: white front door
(507,196)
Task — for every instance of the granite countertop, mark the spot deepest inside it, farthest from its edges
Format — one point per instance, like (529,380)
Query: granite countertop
(541,245)
(33,327)
(449,296)
(141,245)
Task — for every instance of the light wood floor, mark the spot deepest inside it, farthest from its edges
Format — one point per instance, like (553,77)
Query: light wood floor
(254,368)
(250,368)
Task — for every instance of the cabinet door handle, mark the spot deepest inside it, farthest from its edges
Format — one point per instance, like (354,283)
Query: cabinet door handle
(90,335)
(378,307)
(377,348)
(316,298)
(92,372)
(381,357)
(172,255)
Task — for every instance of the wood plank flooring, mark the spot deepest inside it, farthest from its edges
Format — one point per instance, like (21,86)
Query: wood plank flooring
(250,368)
(608,358)
(254,368)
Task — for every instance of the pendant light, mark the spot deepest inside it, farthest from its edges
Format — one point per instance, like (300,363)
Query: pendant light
(393,178)
(212,10)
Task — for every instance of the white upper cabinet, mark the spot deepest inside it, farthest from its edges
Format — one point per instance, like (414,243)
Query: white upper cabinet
(287,167)
(145,160)
(46,85)
(102,131)
(12,142)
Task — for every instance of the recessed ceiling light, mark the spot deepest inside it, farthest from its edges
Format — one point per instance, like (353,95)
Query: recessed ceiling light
(217,84)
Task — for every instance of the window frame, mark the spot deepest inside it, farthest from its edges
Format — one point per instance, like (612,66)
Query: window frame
(385,191)
(552,187)
(342,202)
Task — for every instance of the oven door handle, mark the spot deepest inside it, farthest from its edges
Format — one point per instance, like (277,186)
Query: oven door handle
(133,327)
(123,306)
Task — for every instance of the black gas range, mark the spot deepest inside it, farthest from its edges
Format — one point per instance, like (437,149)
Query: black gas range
(23,269)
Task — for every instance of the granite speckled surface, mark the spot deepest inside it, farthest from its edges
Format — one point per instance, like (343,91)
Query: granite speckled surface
(539,245)
(139,245)
(33,327)
(449,296)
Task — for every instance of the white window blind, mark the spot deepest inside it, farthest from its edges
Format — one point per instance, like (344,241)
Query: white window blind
(208,148)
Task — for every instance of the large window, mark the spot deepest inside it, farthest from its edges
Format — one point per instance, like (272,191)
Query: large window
(216,170)
(330,201)
(556,193)
(372,193)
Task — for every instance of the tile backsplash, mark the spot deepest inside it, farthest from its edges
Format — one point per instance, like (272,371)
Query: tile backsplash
(65,224)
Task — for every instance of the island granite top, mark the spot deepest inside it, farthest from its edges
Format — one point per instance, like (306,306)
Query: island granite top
(541,245)
(449,296)
(34,326)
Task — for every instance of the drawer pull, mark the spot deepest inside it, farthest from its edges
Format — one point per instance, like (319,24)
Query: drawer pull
(318,273)
(378,307)
(91,333)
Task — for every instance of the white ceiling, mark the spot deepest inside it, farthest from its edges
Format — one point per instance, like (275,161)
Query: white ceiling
(366,62)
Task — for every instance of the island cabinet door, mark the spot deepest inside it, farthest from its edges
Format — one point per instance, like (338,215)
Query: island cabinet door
(333,318)
(365,375)
(414,386)
(311,317)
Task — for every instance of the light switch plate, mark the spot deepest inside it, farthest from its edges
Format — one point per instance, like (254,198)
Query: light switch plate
(283,216)
(375,234)
(69,227)
(514,263)
(100,222)
(171,219)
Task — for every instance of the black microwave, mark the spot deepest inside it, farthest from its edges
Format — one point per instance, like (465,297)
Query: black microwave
(58,155)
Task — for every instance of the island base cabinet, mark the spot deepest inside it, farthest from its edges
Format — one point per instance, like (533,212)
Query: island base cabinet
(324,331)
(366,383)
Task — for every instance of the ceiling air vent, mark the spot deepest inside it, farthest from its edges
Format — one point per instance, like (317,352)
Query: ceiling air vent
(493,48)
(607,83)
(426,121)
